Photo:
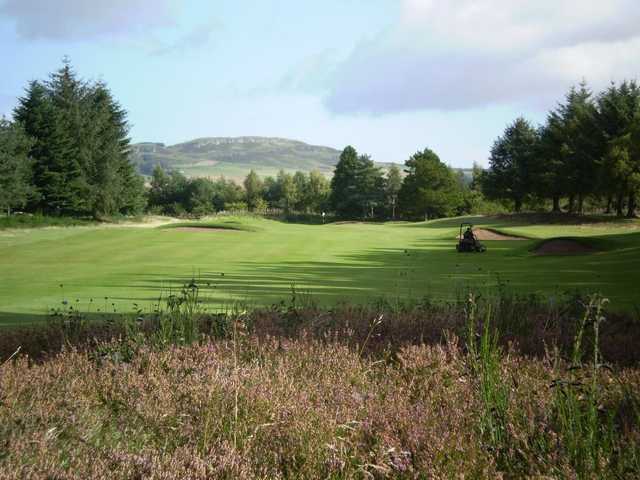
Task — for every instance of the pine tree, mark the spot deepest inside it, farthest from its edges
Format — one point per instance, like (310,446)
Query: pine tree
(617,118)
(580,146)
(369,186)
(81,147)
(344,184)
(510,164)
(357,186)
(15,167)
(430,188)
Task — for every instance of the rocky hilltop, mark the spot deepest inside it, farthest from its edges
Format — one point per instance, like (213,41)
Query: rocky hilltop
(234,156)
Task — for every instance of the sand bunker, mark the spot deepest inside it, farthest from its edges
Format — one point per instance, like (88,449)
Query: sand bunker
(484,234)
(203,229)
(562,246)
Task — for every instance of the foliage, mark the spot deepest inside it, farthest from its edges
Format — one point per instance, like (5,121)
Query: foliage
(512,157)
(298,392)
(253,189)
(80,148)
(357,186)
(174,194)
(430,189)
(393,185)
(15,167)
(585,153)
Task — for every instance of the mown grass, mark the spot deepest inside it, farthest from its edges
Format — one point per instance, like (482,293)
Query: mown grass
(404,391)
(335,262)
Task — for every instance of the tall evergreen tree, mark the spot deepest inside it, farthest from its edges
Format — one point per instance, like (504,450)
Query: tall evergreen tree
(15,166)
(115,185)
(510,164)
(549,171)
(430,188)
(580,145)
(344,185)
(81,147)
(357,186)
(369,186)
(617,118)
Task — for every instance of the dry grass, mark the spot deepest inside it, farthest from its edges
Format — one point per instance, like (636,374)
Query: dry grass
(306,393)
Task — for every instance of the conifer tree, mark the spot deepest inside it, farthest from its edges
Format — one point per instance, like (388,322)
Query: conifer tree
(15,167)
(510,165)
(430,189)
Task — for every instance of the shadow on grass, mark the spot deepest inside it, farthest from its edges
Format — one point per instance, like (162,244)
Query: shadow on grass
(431,269)
(527,220)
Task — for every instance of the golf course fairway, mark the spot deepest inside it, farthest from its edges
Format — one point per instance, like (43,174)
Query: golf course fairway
(257,261)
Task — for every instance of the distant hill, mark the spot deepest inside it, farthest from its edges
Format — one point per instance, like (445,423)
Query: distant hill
(234,157)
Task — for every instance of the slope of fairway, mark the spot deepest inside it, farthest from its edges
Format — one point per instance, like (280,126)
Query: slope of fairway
(335,262)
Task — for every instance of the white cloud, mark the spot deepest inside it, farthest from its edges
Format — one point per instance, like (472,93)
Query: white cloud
(197,38)
(468,53)
(80,19)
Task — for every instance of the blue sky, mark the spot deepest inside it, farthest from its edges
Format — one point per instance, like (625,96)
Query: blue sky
(387,76)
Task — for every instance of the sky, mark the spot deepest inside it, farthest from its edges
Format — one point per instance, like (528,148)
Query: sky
(389,77)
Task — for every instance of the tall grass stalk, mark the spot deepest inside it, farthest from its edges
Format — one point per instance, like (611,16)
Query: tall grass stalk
(485,363)
(587,433)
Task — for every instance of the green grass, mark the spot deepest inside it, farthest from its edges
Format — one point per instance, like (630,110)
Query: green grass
(350,261)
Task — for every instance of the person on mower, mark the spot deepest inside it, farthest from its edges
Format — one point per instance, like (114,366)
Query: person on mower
(468,236)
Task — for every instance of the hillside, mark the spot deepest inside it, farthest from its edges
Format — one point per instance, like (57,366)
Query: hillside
(234,157)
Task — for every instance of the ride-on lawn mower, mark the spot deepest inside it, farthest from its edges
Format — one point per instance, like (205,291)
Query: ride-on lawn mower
(467,241)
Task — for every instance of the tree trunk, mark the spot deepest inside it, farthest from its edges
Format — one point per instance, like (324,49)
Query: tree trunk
(572,203)
(609,203)
(631,207)
(619,205)
(580,203)
(556,204)
(518,205)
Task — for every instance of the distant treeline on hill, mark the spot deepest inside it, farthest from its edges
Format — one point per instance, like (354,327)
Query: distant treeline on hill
(357,189)
(67,152)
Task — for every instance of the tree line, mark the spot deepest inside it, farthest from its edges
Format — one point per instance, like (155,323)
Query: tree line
(358,189)
(588,151)
(67,152)
(172,193)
